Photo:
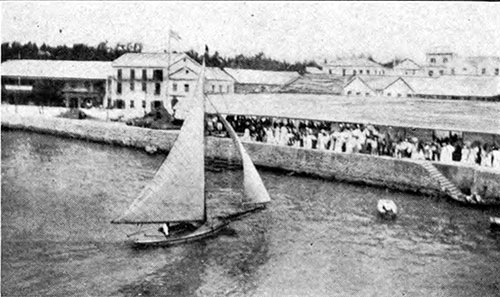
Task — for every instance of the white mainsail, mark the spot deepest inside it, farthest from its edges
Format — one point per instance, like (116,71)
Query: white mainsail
(177,192)
(254,189)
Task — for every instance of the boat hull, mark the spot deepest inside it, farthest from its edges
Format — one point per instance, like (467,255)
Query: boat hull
(153,238)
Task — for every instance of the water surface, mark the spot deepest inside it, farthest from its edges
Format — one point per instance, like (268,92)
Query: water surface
(317,238)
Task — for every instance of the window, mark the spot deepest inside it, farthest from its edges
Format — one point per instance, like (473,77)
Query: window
(354,72)
(483,71)
(144,74)
(360,71)
(452,71)
(144,87)
(118,88)
(174,87)
(431,73)
(389,94)
(330,71)
(220,88)
(496,71)
(213,88)
(143,103)
(131,103)
(368,72)
(433,60)
(367,94)
(229,89)
(158,75)
(343,72)
(157,88)
(132,85)
(187,71)
(186,88)
(119,74)
(349,92)
(445,60)
(399,95)
(358,93)
(132,74)
(441,72)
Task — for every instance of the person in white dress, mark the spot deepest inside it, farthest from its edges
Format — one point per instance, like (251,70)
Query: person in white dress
(495,154)
(446,153)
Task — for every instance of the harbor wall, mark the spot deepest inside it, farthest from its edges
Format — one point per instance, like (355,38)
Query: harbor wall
(400,174)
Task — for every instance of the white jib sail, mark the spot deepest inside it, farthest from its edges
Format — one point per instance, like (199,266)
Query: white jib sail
(254,189)
(177,192)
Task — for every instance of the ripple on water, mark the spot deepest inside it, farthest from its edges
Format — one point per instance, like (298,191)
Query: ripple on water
(316,238)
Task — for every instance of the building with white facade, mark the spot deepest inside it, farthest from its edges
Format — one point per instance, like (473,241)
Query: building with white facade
(408,67)
(367,85)
(144,80)
(355,66)
(441,61)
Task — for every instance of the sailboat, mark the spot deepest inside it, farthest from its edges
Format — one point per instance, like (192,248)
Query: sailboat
(174,203)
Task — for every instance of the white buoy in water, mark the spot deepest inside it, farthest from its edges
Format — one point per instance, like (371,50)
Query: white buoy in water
(387,208)
(495,223)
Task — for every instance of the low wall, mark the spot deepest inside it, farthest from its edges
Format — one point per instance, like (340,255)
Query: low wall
(401,174)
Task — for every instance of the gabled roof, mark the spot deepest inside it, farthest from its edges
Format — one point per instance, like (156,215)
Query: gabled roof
(211,73)
(402,80)
(407,64)
(355,62)
(261,77)
(376,83)
(147,59)
(464,86)
(58,69)
(185,73)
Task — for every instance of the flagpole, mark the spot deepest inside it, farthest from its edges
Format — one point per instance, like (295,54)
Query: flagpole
(168,71)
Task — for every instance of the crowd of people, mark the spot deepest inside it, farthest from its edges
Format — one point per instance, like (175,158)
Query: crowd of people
(355,138)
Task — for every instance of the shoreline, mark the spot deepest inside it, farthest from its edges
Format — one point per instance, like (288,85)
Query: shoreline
(397,174)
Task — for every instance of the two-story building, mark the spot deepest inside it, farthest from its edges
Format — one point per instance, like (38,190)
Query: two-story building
(145,80)
(442,61)
(75,83)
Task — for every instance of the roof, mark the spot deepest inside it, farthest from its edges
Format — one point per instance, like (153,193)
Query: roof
(61,69)
(146,59)
(446,85)
(454,115)
(356,62)
(314,70)
(262,77)
(211,73)
(407,64)
(316,84)
(214,73)
(375,82)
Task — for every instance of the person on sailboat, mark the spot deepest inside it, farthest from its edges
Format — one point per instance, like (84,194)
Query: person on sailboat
(164,229)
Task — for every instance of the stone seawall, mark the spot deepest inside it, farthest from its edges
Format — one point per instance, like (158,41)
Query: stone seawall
(401,174)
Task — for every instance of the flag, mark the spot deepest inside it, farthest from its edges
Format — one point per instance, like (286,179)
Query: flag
(174,35)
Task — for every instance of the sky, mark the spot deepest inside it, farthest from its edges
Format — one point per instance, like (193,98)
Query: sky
(292,31)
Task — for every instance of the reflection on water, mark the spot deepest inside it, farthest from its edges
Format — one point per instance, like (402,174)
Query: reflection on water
(317,238)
